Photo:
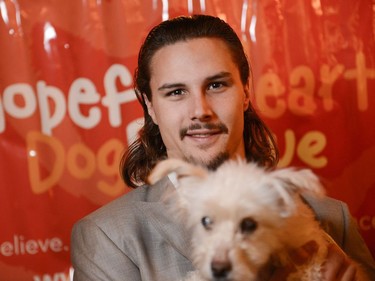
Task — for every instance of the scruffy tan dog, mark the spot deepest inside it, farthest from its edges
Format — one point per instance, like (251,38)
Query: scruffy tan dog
(242,217)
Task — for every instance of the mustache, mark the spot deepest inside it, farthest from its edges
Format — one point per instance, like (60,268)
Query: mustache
(208,126)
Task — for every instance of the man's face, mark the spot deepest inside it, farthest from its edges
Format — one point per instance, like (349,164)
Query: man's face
(198,101)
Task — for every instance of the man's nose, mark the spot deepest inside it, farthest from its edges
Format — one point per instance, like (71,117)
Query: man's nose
(201,107)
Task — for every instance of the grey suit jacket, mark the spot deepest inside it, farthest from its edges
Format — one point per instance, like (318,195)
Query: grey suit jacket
(133,238)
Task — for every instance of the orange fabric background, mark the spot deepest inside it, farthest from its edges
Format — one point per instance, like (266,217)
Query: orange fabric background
(67,109)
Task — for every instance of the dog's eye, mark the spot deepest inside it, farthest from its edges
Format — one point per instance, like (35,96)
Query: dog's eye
(248,225)
(207,222)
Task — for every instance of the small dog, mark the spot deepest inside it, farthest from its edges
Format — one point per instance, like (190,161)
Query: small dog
(244,217)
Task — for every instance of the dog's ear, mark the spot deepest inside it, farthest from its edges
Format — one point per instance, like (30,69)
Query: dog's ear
(184,176)
(300,181)
(179,168)
(290,182)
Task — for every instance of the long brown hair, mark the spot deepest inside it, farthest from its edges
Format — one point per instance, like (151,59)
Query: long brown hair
(148,148)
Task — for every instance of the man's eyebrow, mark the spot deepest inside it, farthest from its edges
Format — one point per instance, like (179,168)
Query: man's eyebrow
(219,75)
(171,86)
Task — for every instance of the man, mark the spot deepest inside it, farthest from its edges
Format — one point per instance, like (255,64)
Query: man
(193,81)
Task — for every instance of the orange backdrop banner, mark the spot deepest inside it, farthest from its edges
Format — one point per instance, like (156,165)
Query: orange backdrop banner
(68,110)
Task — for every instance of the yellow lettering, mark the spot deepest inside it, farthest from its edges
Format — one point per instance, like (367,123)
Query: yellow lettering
(361,74)
(268,92)
(290,145)
(301,99)
(53,162)
(328,78)
(85,170)
(308,149)
(112,148)
(310,146)
(365,223)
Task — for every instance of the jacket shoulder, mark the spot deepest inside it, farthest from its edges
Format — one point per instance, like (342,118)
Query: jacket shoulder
(332,215)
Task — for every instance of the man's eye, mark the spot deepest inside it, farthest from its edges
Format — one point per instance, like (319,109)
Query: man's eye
(216,86)
(173,93)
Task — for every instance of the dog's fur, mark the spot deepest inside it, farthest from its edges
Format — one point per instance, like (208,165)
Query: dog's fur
(244,218)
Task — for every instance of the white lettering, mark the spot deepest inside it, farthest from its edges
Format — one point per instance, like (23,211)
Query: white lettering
(19,101)
(85,104)
(83,92)
(60,276)
(47,94)
(114,98)
(21,246)
(26,93)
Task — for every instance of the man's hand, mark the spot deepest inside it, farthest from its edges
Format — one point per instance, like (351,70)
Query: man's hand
(299,256)
(337,267)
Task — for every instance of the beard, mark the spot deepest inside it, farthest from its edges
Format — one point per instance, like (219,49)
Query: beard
(211,164)
(216,161)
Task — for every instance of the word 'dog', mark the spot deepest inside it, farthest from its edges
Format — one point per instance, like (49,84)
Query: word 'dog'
(58,158)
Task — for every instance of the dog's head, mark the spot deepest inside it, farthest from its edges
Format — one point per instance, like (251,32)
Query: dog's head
(236,212)
(236,176)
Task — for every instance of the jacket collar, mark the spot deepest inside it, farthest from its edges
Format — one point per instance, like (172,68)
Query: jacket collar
(156,211)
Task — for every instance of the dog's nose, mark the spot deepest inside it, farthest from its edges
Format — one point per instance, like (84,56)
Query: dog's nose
(220,269)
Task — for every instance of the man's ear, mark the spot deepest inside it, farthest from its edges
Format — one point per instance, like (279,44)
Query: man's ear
(150,108)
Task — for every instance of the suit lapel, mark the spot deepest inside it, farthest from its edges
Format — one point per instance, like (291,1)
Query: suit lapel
(156,212)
